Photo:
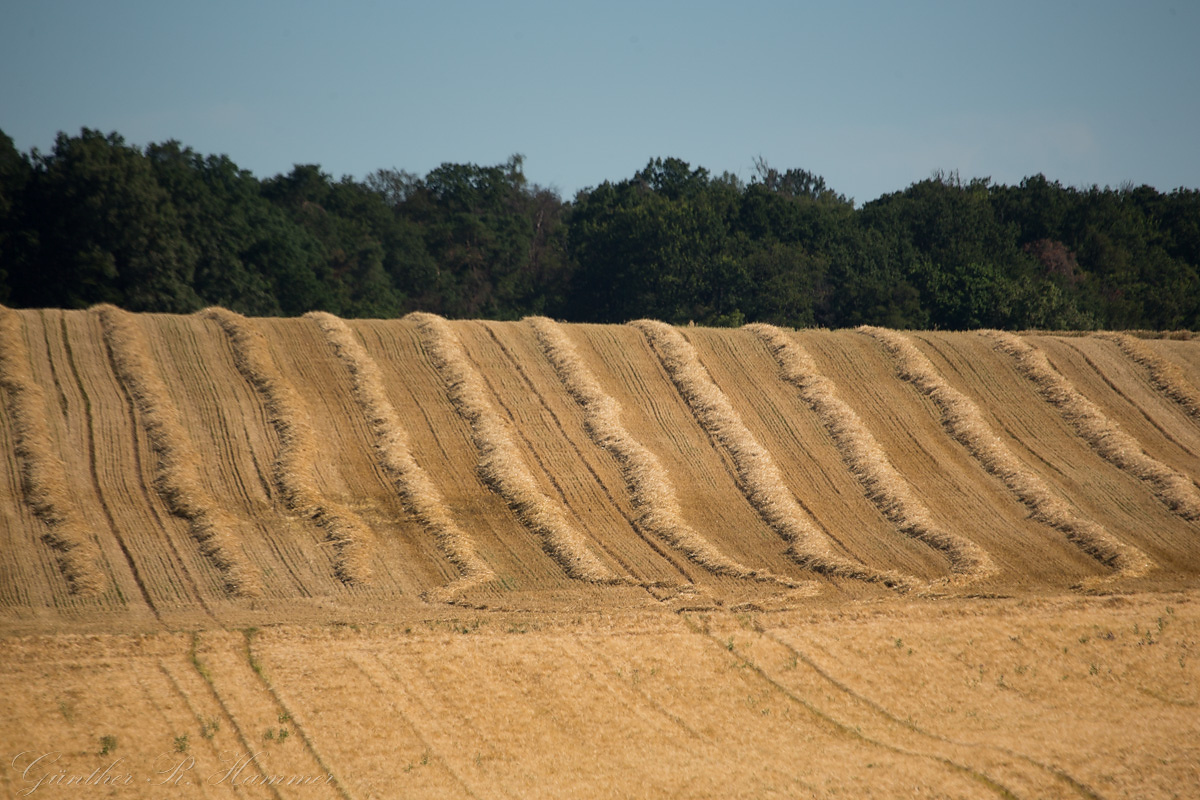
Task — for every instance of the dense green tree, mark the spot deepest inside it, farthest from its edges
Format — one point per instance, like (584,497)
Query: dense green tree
(167,229)
(221,215)
(107,232)
(16,239)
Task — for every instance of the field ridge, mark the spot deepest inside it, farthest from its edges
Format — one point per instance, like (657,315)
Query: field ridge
(391,445)
(650,487)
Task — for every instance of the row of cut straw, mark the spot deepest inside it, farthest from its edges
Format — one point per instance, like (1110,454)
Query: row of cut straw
(416,489)
(43,474)
(295,464)
(963,420)
(175,475)
(866,460)
(500,463)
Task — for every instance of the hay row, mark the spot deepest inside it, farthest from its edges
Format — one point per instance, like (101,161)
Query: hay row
(294,466)
(175,476)
(416,489)
(760,480)
(1175,490)
(866,460)
(1166,376)
(650,488)
(43,474)
(963,420)
(500,463)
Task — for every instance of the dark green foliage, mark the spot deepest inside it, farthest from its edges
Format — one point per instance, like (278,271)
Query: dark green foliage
(106,231)
(166,229)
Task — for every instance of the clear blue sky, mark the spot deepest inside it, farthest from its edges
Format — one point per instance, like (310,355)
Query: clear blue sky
(871,95)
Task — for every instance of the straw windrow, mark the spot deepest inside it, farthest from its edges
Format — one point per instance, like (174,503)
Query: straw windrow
(1175,490)
(416,489)
(963,420)
(865,458)
(294,466)
(1165,375)
(175,476)
(43,474)
(650,488)
(500,463)
(759,477)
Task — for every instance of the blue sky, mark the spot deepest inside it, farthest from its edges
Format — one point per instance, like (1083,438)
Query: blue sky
(871,95)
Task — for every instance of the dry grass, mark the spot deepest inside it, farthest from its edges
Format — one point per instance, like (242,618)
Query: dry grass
(43,474)
(650,487)
(1175,490)
(294,466)
(1165,375)
(963,420)
(760,478)
(500,463)
(862,454)
(175,476)
(416,488)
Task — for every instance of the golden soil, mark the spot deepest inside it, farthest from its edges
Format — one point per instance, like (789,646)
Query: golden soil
(412,558)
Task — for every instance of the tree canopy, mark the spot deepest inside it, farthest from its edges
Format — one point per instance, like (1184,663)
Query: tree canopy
(163,228)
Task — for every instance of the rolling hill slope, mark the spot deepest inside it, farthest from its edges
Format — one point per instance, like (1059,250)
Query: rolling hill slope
(224,468)
(420,558)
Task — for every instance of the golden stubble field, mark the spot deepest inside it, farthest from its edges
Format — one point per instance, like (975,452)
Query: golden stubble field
(419,558)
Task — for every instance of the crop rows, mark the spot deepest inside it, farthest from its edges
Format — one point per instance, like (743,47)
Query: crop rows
(760,479)
(294,465)
(175,475)
(1165,375)
(414,485)
(1175,490)
(650,487)
(867,461)
(615,451)
(500,463)
(963,420)
(43,476)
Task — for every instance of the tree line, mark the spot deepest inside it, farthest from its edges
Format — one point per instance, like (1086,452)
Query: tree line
(166,229)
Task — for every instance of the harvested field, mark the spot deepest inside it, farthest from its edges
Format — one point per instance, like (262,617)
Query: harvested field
(432,558)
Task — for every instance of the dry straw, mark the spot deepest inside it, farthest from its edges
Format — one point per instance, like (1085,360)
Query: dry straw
(1165,375)
(417,490)
(865,458)
(295,464)
(43,474)
(500,463)
(175,476)
(650,488)
(1175,490)
(963,420)
(760,478)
